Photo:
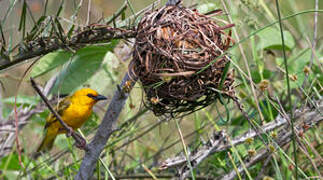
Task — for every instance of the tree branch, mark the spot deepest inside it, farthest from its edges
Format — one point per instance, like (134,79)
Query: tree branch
(105,129)
(45,45)
(219,141)
(305,119)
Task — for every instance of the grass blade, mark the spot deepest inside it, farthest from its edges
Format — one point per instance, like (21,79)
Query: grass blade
(288,89)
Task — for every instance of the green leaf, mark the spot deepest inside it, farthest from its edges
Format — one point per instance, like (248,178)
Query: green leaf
(90,124)
(267,74)
(224,74)
(207,7)
(49,62)
(256,77)
(61,142)
(84,64)
(270,38)
(11,162)
(105,74)
(27,100)
(296,66)
(299,62)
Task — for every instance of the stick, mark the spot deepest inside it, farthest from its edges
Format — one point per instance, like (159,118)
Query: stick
(105,130)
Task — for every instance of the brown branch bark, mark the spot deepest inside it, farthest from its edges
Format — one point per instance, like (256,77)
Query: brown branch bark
(45,45)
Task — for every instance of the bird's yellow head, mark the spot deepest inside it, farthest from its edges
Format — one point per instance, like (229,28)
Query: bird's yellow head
(86,96)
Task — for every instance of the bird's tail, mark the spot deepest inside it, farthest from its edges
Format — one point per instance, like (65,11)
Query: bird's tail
(46,144)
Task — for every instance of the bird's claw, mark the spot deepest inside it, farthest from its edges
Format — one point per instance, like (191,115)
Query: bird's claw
(81,143)
(70,131)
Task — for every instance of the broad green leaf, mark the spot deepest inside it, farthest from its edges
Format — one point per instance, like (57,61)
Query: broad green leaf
(270,38)
(84,64)
(207,7)
(105,74)
(267,74)
(296,62)
(27,100)
(61,142)
(256,77)
(296,65)
(49,62)
(11,162)
(299,62)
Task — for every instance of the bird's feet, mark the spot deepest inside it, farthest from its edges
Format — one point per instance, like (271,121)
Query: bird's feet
(69,132)
(81,143)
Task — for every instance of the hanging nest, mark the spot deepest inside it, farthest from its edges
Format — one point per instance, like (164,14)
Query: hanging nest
(179,57)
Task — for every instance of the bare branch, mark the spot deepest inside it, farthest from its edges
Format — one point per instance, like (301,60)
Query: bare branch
(219,140)
(304,119)
(106,128)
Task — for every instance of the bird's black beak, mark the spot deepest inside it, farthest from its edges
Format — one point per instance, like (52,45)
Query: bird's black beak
(99,97)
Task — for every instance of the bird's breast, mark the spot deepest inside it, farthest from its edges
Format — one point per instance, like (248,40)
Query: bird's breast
(76,115)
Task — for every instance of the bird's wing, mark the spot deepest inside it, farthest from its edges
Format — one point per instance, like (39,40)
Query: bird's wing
(62,105)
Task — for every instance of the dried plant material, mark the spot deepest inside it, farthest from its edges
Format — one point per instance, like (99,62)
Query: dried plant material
(263,85)
(293,77)
(306,70)
(179,57)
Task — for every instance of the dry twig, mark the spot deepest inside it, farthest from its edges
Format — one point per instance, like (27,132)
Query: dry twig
(7,129)
(219,142)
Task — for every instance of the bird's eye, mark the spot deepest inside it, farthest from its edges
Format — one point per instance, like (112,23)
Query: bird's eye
(91,95)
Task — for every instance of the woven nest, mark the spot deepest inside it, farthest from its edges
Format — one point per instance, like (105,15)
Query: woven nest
(179,57)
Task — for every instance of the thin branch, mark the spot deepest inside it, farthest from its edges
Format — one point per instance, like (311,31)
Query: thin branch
(44,45)
(219,141)
(309,118)
(106,128)
(118,13)
(88,19)
(7,129)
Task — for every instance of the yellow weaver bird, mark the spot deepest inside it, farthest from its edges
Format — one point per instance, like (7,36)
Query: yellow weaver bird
(74,111)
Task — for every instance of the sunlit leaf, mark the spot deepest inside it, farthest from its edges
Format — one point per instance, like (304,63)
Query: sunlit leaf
(270,38)
(11,162)
(27,100)
(206,7)
(84,64)
(49,62)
